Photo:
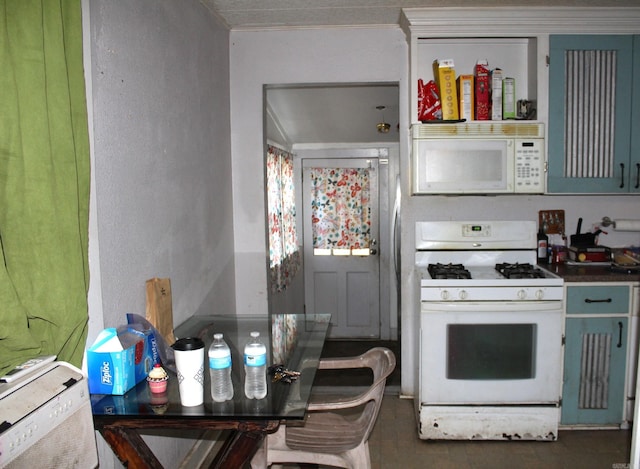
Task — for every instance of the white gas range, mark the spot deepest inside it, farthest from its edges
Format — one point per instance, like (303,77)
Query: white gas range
(490,334)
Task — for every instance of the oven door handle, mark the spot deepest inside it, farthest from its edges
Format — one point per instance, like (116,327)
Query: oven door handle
(490,306)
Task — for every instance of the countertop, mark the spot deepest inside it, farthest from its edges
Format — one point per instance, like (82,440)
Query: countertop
(590,273)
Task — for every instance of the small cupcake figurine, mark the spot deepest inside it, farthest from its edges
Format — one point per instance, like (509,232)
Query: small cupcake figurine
(157,379)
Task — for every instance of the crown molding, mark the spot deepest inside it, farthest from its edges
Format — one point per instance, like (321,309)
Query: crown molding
(518,21)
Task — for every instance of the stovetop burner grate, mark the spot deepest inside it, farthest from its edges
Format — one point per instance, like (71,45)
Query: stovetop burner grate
(448,271)
(518,270)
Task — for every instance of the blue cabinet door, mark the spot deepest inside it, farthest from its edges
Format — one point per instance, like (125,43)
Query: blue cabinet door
(634,163)
(594,371)
(590,93)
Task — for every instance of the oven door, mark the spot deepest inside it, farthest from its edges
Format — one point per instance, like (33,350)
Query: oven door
(490,353)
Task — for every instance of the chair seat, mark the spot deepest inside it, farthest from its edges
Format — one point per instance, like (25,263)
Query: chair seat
(327,432)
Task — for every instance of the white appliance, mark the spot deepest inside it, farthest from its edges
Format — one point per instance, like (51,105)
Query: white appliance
(490,335)
(46,420)
(482,157)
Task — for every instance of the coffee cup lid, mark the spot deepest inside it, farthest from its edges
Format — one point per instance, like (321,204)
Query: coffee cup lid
(188,343)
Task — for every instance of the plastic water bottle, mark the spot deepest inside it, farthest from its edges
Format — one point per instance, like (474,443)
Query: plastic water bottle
(255,368)
(220,369)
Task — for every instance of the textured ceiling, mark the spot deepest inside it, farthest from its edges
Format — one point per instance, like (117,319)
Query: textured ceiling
(248,14)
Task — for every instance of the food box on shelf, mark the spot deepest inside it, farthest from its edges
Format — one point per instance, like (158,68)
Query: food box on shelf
(445,75)
(508,98)
(465,97)
(496,94)
(482,93)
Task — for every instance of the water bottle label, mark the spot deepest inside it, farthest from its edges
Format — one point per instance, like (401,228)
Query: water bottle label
(255,360)
(219,363)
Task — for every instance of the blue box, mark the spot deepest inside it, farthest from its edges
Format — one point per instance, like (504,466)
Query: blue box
(119,359)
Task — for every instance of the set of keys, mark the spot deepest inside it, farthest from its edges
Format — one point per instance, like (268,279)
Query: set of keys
(280,373)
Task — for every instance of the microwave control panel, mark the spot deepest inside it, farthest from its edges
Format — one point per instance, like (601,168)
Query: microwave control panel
(529,166)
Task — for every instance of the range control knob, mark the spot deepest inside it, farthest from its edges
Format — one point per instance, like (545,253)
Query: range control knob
(522,294)
(463,295)
(444,294)
(539,294)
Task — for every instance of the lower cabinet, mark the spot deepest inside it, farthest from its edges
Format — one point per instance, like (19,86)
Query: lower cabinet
(595,354)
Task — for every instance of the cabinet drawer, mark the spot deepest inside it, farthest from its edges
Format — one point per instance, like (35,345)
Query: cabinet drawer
(598,300)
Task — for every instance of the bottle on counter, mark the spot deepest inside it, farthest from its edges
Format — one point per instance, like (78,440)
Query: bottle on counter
(220,369)
(255,368)
(543,247)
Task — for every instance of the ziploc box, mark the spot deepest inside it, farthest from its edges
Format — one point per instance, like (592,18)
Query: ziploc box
(445,75)
(465,97)
(482,90)
(118,360)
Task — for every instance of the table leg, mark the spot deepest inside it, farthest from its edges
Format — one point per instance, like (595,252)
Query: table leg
(130,448)
(241,445)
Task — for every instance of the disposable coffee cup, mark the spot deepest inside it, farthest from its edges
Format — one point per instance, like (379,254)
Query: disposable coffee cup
(189,356)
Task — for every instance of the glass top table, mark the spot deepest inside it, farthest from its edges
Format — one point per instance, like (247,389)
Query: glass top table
(293,340)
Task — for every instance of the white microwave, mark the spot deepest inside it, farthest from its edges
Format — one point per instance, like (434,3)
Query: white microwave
(482,157)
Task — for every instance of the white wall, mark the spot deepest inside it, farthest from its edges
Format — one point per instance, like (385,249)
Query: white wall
(158,83)
(335,55)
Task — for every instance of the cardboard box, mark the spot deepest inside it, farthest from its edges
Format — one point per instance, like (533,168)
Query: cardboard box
(508,98)
(482,91)
(445,75)
(119,359)
(465,97)
(496,94)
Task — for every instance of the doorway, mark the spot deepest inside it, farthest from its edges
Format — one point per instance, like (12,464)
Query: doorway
(308,120)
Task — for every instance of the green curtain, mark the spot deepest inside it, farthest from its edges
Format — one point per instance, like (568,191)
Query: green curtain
(44,182)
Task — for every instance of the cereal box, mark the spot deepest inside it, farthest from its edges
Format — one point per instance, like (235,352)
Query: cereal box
(482,94)
(445,75)
(465,97)
(508,98)
(496,94)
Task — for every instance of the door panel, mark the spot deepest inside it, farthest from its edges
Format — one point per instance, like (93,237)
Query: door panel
(339,281)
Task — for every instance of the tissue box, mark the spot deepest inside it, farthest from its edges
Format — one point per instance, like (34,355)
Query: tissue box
(119,359)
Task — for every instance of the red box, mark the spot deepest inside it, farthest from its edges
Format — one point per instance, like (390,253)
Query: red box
(482,91)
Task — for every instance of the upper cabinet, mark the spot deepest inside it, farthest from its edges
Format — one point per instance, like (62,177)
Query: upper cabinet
(467,36)
(594,120)
(579,66)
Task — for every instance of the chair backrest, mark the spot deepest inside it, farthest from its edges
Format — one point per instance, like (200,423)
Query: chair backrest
(382,362)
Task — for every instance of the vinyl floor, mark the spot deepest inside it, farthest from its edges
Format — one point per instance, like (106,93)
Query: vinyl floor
(394,442)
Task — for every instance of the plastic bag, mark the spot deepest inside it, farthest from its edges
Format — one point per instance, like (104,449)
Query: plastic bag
(139,323)
(429,106)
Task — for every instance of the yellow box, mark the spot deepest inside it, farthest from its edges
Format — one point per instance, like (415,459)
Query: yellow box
(445,75)
(465,97)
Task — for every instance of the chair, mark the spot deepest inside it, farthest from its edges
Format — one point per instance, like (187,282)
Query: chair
(336,430)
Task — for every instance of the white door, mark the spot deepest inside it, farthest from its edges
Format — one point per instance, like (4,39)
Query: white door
(341,262)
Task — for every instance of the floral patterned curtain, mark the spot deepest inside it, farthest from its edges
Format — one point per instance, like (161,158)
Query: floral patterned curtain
(341,213)
(284,254)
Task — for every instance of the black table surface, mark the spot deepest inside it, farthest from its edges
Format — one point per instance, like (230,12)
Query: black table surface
(294,340)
